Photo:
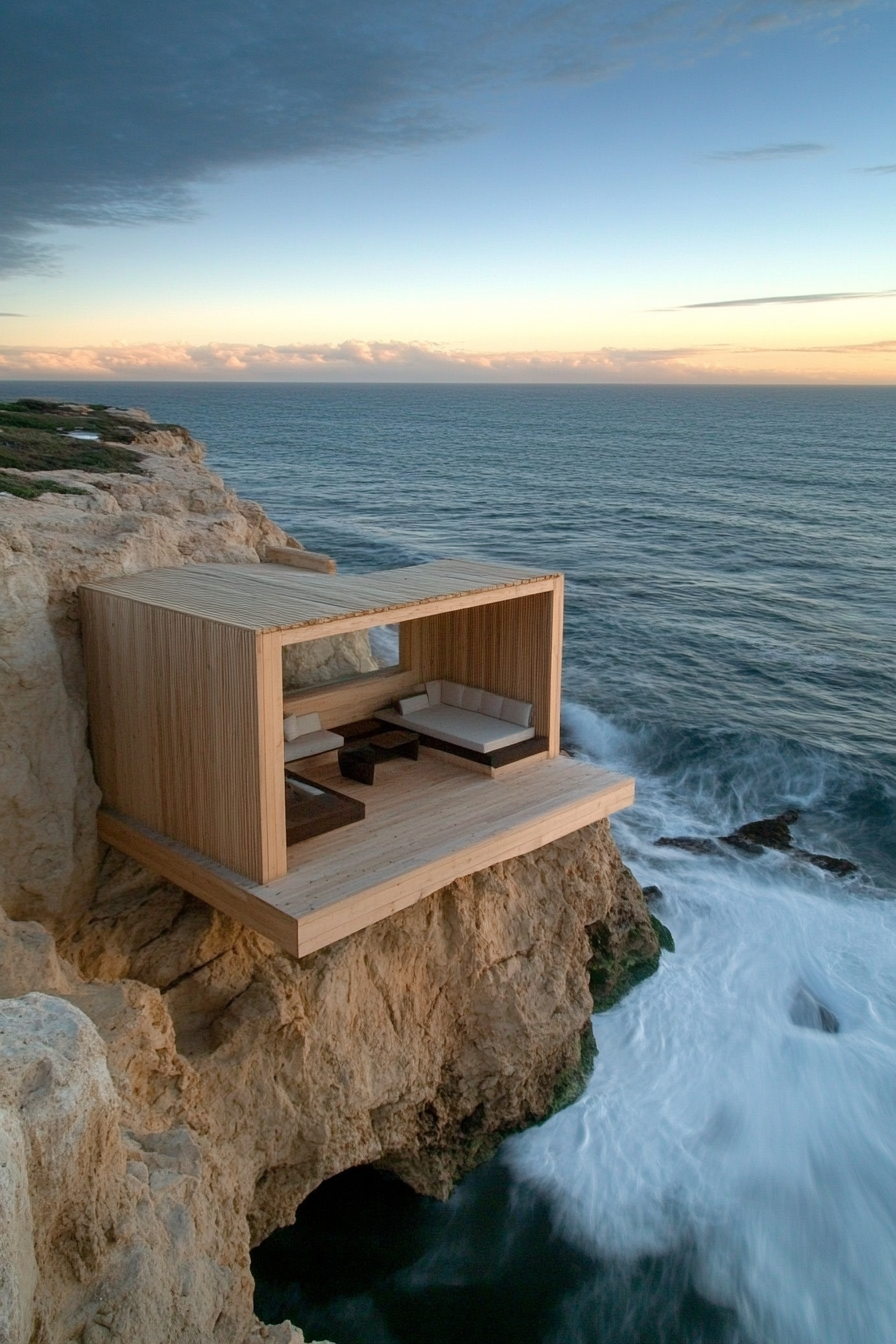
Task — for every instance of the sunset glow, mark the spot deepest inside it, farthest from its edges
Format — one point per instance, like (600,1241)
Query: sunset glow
(640,197)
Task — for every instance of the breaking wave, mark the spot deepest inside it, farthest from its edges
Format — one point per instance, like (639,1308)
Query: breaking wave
(739,1120)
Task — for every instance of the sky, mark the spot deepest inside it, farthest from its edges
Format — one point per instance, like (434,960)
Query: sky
(556,190)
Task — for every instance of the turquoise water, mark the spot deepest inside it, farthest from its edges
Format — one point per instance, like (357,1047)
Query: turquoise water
(729,1174)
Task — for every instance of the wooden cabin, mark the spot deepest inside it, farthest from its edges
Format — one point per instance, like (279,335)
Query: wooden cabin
(187,709)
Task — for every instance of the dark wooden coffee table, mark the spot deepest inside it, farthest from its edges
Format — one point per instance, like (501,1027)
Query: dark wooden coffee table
(358,760)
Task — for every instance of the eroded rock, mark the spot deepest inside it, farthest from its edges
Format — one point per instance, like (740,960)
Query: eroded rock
(807,1010)
(755,836)
(241,1079)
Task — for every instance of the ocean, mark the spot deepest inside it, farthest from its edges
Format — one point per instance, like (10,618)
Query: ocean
(730,1172)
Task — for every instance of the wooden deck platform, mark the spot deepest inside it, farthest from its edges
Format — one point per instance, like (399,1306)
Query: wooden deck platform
(428,822)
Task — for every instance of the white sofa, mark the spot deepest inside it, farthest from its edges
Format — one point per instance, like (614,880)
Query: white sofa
(303,736)
(464,716)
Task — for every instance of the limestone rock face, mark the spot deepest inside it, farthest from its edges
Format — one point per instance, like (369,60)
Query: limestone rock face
(221,1081)
(108,1235)
(417,1041)
(176,513)
(326,659)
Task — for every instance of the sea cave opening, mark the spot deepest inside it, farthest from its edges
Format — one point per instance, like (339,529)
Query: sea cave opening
(369,1261)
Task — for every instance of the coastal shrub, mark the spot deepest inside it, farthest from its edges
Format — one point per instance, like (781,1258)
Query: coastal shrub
(33,437)
(25,489)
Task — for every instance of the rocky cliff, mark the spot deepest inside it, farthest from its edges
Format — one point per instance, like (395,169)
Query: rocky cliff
(172,1085)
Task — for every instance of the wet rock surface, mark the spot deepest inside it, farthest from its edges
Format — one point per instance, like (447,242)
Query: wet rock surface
(807,1010)
(755,836)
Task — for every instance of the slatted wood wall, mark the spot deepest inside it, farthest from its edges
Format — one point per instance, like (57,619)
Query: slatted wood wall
(186,729)
(355,698)
(511,648)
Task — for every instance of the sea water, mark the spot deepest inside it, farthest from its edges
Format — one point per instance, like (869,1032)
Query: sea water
(730,1172)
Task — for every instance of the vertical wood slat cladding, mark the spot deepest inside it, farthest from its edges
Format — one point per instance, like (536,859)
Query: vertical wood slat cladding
(357,698)
(186,696)
(184,718)
(269,709)
(510,648)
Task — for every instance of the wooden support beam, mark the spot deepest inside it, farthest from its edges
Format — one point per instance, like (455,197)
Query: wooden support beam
(300,559)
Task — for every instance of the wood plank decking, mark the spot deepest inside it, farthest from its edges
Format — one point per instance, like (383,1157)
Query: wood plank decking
(427,824)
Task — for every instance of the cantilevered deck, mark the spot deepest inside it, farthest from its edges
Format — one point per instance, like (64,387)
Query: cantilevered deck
(428,822)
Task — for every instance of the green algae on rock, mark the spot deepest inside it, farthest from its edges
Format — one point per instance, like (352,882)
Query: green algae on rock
(622,958)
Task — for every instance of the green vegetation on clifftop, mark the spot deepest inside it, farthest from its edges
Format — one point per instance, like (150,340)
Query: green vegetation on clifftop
(23,488)
(35,436)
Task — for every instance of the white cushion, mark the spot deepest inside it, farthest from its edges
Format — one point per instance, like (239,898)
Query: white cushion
(491,705)
(413,703)
(516,711)
(471,698)
(311,744)
(461,727)
(434,692)
(298,724)
(308,723)
(452,693)
(304,790)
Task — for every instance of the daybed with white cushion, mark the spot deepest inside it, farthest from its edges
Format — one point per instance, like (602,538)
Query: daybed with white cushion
(464,716)
(303,736)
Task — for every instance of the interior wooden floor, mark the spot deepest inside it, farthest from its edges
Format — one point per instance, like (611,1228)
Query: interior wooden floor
(428,822)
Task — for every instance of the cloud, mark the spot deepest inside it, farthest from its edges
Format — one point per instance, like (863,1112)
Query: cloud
(783,298)
(12,314)
(365,360)
(413,361)
(112,109)
(880,168)
(761,153)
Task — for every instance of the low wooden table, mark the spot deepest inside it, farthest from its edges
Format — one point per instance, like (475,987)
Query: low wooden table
(313,809)
(358,759)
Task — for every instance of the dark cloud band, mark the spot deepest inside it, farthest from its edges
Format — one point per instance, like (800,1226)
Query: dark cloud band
(111,109)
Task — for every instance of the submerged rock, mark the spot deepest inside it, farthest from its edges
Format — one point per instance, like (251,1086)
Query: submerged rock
(694,844)
(827,862)
(808,1011)
(756,836)
(769,833)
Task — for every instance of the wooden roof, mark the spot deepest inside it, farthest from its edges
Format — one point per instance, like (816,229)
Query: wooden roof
(272,597)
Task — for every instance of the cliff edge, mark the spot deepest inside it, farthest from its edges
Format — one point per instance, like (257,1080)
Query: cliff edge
(171,1084)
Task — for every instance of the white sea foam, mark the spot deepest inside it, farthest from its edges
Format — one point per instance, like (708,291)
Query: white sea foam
(714,1120)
